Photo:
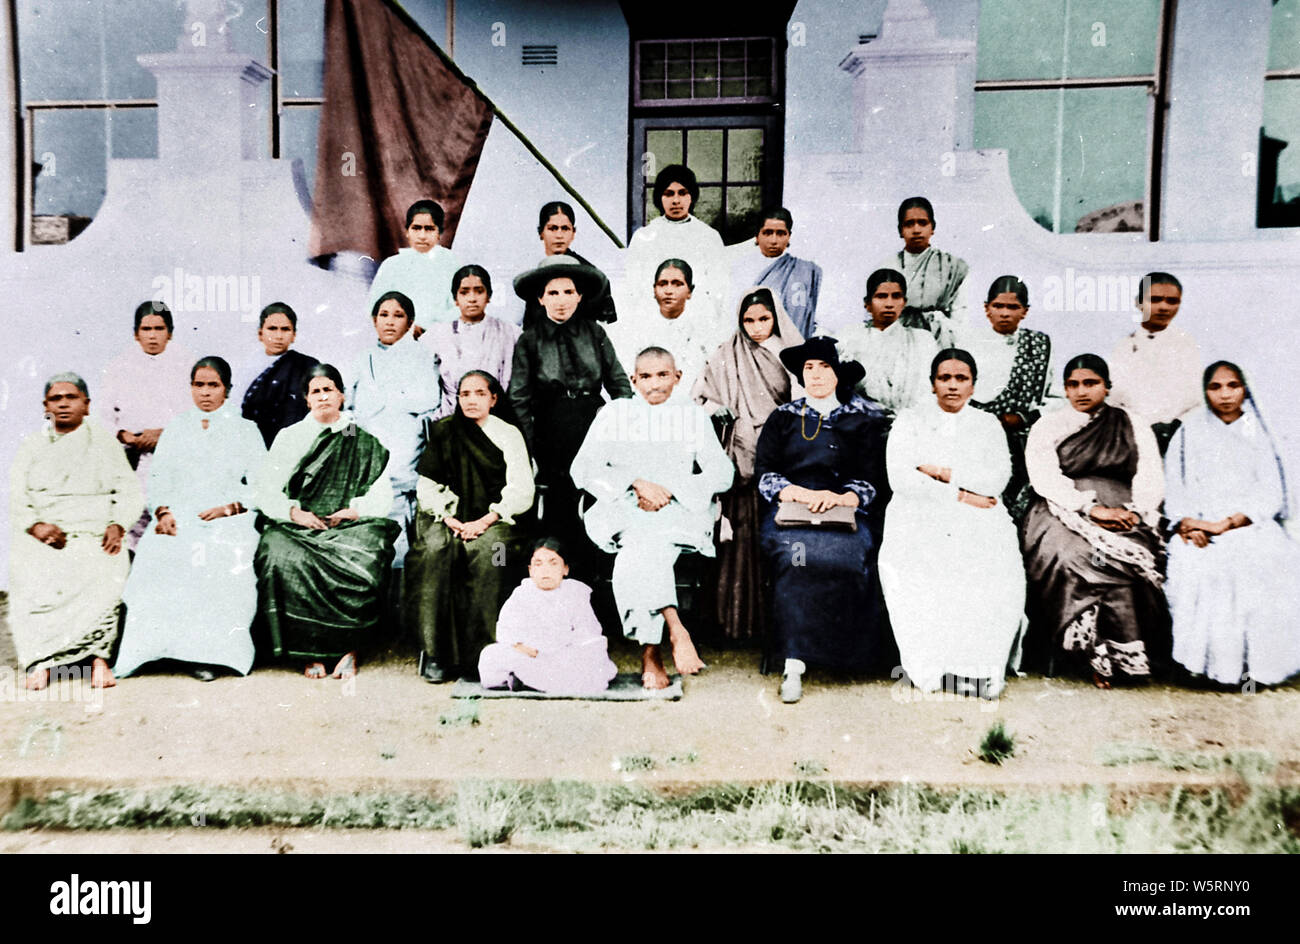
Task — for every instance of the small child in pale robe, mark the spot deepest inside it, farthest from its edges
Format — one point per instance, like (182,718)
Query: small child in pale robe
(548,638)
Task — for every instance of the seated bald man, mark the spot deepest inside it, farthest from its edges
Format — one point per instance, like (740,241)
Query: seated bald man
(640,461)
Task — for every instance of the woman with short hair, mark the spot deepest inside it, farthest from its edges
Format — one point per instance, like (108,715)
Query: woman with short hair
(821,457)
(1232,565)
(327,541)
(192,595)
(950,560)
(72,496)
(1093,558)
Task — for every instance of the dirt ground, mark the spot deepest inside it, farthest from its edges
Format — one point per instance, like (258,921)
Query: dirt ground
(388,729)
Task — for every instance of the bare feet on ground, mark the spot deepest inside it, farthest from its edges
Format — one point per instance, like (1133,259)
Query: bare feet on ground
(38,680)
(685,658)
(347,667)
(315,671)
(653,674)
(101,676)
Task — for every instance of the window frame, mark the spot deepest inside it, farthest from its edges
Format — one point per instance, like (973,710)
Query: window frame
(1157,87)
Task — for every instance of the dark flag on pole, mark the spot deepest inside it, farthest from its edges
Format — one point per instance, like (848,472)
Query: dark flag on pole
(400,123)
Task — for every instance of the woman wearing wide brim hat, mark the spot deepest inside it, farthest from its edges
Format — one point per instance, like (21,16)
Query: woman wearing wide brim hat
(823,450)
(561,364)
(590,282)
(822,348)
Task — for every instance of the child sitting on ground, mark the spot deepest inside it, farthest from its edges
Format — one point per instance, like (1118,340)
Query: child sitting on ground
(548,638)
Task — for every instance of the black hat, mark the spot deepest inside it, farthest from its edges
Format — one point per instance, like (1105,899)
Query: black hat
(589,281)
(822,348)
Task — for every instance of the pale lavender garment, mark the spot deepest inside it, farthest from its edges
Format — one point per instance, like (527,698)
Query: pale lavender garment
(572,653)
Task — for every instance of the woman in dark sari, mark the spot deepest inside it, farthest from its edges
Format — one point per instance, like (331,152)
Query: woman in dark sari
(327,541)
(1093,558)
(742,383)
(475,479)
(821,452)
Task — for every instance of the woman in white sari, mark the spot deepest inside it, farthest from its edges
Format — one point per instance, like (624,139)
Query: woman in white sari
(950,559)
(1232,567)
(192,594)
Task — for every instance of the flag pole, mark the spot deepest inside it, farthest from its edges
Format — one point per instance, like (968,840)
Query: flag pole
(397,8)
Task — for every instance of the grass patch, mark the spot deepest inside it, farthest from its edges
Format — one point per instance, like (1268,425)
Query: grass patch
(997,746)
(632,763)
(1247,763)
(811,816)
(464,715)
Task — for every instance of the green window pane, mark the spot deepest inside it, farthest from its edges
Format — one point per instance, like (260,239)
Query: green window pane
(665,147)
(679,51)
(733,49)
(1284,36)
(652,90)
(651,211)
(744,204)
(652,54)
(707,69)
(760,85)
(1282,121)
(705,49)
(1099,38)
(708,89)
(1101,139)
(744,154)
(709,209)
(679,89)
(733,68)
(733,88)
(704,153)
(679,68)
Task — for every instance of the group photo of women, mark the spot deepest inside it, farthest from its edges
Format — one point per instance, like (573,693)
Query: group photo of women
(520,489)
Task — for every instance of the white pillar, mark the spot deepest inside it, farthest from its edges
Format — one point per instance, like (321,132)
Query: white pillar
(1215,112)
(912,93)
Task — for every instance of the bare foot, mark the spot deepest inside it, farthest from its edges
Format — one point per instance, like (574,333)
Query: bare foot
(347,667)
(1100,682)
(685,658)
(101,676)
(38,680)
(653,674)
(315,671)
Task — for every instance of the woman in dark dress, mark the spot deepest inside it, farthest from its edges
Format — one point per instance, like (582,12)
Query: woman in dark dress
(823,450)
(1093,559)
(561,365)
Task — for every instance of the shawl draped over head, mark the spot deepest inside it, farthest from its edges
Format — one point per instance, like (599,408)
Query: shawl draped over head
(751,380)
(340,466)
(460,456)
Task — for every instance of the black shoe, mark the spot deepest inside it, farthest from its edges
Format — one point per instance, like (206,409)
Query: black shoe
(429,670)
(204,674)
